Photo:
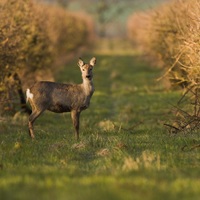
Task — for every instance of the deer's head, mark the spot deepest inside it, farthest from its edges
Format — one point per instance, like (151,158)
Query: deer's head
(86,69)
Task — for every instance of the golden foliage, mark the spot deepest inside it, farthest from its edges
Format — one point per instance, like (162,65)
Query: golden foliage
(170,36)
(33,37)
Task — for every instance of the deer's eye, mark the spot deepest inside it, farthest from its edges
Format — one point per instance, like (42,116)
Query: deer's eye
(83,69)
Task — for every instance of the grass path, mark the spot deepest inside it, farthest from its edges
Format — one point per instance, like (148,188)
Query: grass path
(124,153)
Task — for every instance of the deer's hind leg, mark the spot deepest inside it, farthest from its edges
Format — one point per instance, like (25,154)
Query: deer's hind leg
(34,115)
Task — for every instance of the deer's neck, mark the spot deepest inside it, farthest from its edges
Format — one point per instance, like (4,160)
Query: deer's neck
(88,87)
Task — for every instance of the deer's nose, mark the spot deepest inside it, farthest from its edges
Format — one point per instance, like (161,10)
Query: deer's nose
(88,76)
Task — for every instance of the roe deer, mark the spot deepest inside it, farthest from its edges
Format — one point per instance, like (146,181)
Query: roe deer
(59,98)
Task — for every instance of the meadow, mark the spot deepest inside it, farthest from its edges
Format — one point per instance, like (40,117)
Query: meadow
(124,152)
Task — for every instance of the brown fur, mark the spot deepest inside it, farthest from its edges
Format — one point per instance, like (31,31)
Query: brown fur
(59,98)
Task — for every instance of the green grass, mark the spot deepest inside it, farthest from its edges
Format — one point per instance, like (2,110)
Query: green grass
(125,152)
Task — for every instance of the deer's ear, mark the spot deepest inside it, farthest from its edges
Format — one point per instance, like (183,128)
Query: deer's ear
(80,62)
(93,61)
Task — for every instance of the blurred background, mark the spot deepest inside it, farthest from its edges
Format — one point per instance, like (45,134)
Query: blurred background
(110,16)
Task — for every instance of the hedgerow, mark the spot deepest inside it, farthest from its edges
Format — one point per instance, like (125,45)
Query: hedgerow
(33,37)
(169,35)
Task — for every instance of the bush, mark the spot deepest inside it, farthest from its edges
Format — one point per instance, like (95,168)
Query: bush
(33,37)
(139,33)
(170,35)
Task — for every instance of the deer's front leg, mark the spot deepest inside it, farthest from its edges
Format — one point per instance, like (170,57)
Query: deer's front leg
(75,119)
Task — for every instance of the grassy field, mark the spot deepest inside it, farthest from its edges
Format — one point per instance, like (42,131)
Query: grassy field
(125,152)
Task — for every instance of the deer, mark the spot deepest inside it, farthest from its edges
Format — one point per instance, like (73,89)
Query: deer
(62,97)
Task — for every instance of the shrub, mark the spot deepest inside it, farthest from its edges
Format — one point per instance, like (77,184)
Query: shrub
(23,46)
(33,37)
(170,35)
